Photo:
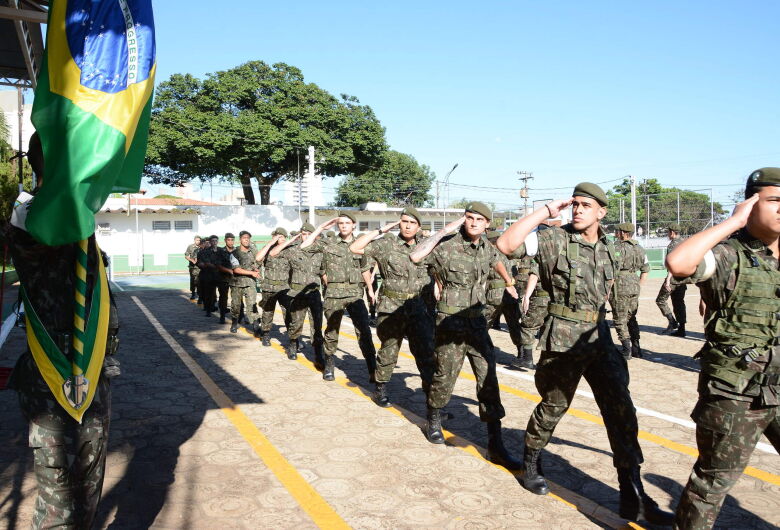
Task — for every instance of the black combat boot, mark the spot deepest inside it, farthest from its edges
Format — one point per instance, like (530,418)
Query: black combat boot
(496,452)
(527,359)
(207,313)
(193,296)
(380,395)
(635,504)
(433,427)
(234,325)
(255,328)
(265,338)
(371,366)
(221,317)
(671,327)
(533,479)
(299,345)
(292,349)
(680,331)
(319,361)
(327,371)
(626,350)
(636,350)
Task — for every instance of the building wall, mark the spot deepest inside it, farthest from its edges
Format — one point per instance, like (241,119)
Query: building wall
(9,106)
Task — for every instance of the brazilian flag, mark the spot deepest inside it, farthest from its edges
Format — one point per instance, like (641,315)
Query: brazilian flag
(91,110)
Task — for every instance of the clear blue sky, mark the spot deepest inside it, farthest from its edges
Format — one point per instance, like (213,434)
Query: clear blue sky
(686,92)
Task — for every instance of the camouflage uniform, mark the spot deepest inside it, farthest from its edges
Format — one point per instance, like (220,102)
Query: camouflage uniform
(739,382)
(677,295)
(461,327)
(402,310)
(578,277)
(209,277)
(225,279)
(305,294)
(625,302)
(500,302)
(536,313)
(275,286)
(344,291)
(68,458)
(243,289)
(192,253)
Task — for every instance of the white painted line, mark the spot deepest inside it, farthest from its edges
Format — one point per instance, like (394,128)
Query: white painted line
(8,325)
(118,286)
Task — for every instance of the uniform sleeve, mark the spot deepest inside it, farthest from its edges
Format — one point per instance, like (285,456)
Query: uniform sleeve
(436,260)
(233,262)
(645,268)
(715,269)
(495,259)
(369,255)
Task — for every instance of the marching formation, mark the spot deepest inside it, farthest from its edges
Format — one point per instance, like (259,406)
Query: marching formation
(552,284)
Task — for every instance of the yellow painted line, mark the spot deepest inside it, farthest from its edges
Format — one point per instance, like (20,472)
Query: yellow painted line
(307,497)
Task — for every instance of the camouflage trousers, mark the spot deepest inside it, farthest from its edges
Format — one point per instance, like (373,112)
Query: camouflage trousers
(624,317)
(726,434)
(302,303)
(457,337)
(533,320)
(412,321)
(69,458)
(270,299)
(510,308)
(557,376)
(247,296)
(678,302)
(194,273)
(334,312)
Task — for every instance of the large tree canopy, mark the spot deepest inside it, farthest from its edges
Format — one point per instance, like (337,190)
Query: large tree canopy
(399,180)
(254,121)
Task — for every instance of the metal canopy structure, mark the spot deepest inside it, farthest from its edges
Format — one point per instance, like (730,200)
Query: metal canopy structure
(21,41)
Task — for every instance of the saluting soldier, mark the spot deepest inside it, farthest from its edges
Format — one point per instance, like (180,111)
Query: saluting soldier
(304,293)
(462,262)
(402,310)
(735,265)
(625,302)
(191,255)
(275,283)
(499,301)
(243,286)
(677,315)
(344,285)
(225,274)
(577,265)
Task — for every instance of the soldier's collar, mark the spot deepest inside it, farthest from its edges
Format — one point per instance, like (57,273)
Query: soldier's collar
(751,242)
(467,241)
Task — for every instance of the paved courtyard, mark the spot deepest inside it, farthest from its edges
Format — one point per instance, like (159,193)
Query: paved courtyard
(212,430)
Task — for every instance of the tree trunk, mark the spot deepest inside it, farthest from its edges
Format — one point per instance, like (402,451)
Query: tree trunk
(265,188)
(246,184)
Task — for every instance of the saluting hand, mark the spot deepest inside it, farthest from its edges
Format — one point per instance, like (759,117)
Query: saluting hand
(454,225)
(385,229)
(558,205)
(742,210)
(328,224)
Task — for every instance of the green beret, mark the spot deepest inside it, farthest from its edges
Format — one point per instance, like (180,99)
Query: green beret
(493,234)
(229,235)
(593,191)
(674,227)
(307,227)
(481,208)
(766,176)
(293,233)
(411,211)
(348,215)
(626,227)
(243,233)
(196,237)
(279,231)
(213,236)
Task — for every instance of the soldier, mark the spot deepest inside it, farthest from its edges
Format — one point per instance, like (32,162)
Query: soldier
(625,303)
(344,291)
(225,274)
(243,286)
(499,301)
(462,262)
(69,457)
(304,294)
(669,288)
(402,311)
(576,265)
(735,266)
(191,255)
(209,261)
(534,310)
(275,283)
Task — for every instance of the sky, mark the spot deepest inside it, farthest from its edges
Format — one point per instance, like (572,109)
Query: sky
(685,92)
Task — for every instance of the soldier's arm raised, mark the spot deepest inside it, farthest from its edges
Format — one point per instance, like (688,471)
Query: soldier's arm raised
(261,254)
(324,226)
(278,248)
(427,246)
(683,260)
(362,242)
(515,235)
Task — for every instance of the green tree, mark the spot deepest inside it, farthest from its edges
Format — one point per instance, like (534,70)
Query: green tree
(9,172)
(245,123)
(462,202)
(399,180)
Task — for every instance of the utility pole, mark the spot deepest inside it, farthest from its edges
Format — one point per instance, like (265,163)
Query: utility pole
(633,200)
(311,185)
(525,176)
(20,104)
(447,190)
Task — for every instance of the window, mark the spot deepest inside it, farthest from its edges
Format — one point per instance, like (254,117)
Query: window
(182,225)
(104,227)
(438,225)
(161,225)
(363,226)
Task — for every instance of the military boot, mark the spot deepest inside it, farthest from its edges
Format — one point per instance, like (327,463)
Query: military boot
(265,337)
(371,366)
(533,479)
(626,350)
(433,427)
(319,361)
(636,350)
(327,371)
(255,328)
(193,296)
(635,504)
(527,359)
(221,317)
(292,349)
(680,331)
(671,327)
(234,325)
(380,395)
(496,452)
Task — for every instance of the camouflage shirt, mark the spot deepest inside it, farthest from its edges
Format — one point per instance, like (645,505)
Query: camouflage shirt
(563,252)
(401,278)
(463,268)
(192,253)
(632,259)
(304,268)
(521,267)
(496,284)
(276,273)
(341,267)
(246,261)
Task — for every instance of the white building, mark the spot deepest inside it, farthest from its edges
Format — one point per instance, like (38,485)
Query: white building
(9,106)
